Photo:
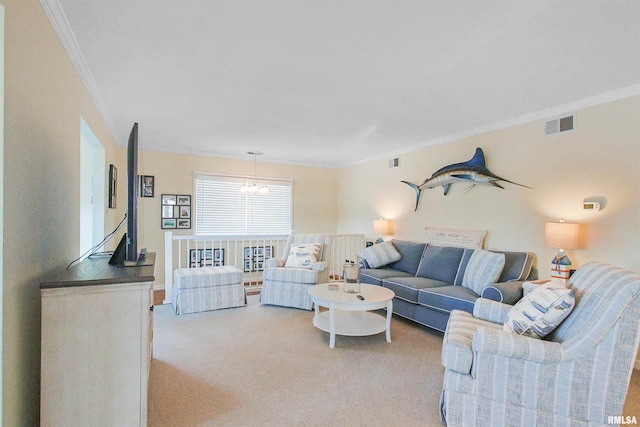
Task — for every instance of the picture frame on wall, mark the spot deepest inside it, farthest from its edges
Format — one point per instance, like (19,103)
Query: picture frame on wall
(113,185)
(146,185)
(206,257)
(168,223)
(168,199)
(175,211)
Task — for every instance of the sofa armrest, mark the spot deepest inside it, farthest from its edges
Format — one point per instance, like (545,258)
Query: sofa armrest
(274,262)
(491,311)
(363,263)
(504,292)
(508,344)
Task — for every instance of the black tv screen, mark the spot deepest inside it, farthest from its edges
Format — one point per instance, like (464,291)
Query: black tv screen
(127,249)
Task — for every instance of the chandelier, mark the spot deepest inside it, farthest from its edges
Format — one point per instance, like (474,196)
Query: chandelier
(254,188)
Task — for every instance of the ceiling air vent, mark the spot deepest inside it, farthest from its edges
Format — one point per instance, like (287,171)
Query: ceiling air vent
(562,124)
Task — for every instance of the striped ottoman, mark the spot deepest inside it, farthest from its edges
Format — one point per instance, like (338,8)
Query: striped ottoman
(207,288)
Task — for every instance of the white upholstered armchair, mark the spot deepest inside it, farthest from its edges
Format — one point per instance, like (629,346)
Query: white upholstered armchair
(286,281)
(578,375)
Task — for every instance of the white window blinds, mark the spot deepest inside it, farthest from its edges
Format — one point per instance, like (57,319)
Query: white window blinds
(220,207)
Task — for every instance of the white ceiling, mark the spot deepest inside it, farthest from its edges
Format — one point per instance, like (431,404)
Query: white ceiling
(333,83)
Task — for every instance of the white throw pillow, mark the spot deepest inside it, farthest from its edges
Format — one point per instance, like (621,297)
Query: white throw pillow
(381,254)
(483,269)
(541,310)
(303,255)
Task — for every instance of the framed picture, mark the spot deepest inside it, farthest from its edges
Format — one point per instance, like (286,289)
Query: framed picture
(168,199)
(177,208)
(113,181)
(168,223)
(206,257)
(185,211)
(146,185)
(255,256)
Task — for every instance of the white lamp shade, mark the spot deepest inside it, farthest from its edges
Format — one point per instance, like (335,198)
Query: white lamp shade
(562,235)
(381,227)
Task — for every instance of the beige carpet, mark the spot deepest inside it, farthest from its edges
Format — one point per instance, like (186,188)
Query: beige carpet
(268,366)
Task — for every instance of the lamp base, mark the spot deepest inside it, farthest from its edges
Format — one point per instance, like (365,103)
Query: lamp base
(561,267)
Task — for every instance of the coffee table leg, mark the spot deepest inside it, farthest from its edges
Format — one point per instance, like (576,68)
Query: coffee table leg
(332,327)
(389,313)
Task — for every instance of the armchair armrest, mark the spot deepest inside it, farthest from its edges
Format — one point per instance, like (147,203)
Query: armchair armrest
(274,262)
(508,344)
(491,311)
(320,266)
(505,292)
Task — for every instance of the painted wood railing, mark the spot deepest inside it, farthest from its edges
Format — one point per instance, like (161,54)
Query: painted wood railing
(247,253)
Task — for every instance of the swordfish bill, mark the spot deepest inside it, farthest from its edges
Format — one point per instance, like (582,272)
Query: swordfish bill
(473,171)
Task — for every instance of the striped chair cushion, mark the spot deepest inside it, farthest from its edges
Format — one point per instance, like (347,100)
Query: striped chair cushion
(483,269)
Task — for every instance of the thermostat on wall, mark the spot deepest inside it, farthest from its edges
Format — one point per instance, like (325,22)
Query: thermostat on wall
(591,206)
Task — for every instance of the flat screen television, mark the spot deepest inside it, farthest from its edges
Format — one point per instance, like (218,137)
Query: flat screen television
(126,252)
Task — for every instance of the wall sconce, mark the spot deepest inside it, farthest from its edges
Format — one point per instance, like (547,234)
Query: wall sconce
(381,228)
(561,235)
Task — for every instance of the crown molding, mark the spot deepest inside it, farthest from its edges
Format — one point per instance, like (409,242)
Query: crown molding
(56,15)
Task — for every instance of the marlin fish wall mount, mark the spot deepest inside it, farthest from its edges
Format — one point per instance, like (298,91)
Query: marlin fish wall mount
(474,171)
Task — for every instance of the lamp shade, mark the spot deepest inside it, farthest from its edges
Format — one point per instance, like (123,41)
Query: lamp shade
(562,235)
(381,227)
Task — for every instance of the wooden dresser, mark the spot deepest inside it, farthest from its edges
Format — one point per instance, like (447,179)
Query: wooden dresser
(97,330)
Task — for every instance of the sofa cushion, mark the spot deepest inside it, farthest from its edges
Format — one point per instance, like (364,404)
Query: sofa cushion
(381,254)
(541,310)
(517,266)
(466,256)
(484,268)
(447,298)
(407,288)
(440,263)
(410,252)
(376,276)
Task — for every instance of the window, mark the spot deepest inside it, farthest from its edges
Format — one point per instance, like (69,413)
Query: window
(220,207)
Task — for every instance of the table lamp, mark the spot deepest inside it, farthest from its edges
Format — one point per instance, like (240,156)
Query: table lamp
(381,228)
(561,235)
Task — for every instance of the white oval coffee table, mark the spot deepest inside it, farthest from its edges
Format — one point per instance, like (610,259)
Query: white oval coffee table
(350,316)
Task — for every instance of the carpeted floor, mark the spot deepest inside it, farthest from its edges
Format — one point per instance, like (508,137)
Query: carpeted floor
(268,366)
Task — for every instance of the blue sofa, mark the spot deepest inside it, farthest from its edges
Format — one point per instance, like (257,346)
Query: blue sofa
(428,281)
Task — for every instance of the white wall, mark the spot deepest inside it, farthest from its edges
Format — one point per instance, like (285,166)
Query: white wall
(43,103)
(314,193)
(601,158)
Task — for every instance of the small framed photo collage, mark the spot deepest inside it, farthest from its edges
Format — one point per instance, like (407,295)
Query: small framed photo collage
(176,211)
(206,257)
(254,257)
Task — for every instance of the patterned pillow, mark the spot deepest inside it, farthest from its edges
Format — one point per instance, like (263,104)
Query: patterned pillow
(303,255)
(541,310)
(381,254)
(483,269)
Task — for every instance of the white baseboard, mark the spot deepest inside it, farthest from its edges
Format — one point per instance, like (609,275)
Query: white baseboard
(158,286)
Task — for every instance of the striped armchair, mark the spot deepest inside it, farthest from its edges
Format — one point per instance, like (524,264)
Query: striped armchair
(289,286)
(578,375)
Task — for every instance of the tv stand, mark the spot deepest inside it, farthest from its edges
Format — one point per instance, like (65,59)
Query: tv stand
(96,346)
